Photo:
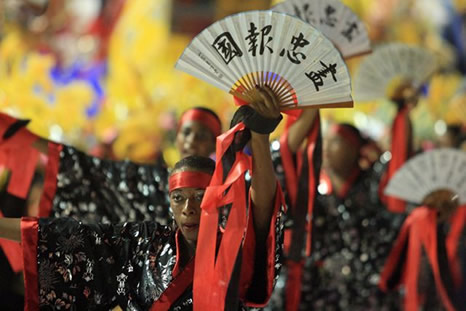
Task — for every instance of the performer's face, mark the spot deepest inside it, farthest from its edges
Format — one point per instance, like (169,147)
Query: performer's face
(338,153)
(186,206)
(194,138)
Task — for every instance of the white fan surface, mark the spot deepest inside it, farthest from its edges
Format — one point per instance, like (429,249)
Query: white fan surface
(388,62)
(335,20)
(259,48)
(430,171)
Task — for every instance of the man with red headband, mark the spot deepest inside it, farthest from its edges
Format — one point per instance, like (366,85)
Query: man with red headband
(92,189)
(197,129)
(352,231)
(142,266)
(81,186)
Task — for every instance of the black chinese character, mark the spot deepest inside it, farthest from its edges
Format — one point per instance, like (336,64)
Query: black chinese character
(348,33)
(317,77)
(252,38)
(296,42)
(226,47)
(329,20)
(305,14)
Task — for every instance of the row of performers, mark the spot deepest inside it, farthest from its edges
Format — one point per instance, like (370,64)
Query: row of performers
(120,234)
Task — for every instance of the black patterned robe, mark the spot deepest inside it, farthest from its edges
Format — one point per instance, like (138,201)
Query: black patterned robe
(351,239)
(77,266)
(95,190)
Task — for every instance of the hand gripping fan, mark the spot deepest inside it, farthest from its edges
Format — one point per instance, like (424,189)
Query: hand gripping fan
(389,66)
(335,20)
(430,171)
(258,48)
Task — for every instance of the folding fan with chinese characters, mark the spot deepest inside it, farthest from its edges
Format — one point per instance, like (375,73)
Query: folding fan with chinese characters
(430,171)
(335,20)
(388,67)
(258,48)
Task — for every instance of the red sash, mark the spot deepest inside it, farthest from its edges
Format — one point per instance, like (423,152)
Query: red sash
(176,288)
(213,272)
(400,152)
(295,265)
(420,231)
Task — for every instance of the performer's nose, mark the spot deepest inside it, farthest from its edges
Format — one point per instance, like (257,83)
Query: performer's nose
(189,207)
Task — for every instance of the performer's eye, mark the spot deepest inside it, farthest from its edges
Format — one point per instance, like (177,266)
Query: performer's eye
(177,198)
(199,196)
(203,135)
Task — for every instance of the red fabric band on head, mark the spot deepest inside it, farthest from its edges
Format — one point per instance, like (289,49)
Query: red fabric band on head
(346,133)
(204,117)
(189,180)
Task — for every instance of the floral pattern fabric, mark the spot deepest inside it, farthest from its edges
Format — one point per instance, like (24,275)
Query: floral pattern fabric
(101,266)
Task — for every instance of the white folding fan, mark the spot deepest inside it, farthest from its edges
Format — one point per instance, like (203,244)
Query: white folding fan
(258,48)
(335,20)
(430,171)
(391,62)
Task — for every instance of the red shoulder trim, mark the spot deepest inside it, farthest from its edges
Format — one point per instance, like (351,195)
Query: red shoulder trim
(50,183)
(29,237)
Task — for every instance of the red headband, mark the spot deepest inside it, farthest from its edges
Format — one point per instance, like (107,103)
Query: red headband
(204,117)
(348,134)
(189,180)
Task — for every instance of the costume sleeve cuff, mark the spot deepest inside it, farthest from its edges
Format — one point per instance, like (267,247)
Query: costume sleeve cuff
(29,238)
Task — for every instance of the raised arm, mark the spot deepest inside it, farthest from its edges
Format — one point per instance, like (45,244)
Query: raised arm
(264,184)
(299,130)
(10,228)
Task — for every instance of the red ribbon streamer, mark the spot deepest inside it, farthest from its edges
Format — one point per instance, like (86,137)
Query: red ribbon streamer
(420,231)
(189,180)
(400,153)
(456,229)
(212,273)
(293,283)
(204,117)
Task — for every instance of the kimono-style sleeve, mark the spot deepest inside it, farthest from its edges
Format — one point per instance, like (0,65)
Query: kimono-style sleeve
(92,189)
(266,266)
(70,265)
